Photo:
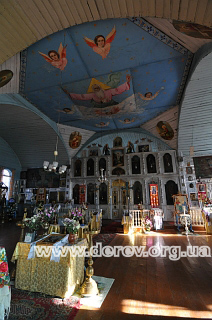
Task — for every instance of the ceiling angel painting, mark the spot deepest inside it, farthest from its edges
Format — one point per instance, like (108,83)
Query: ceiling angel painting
(105,75)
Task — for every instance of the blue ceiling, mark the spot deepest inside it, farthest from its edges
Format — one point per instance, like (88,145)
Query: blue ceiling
(153,60)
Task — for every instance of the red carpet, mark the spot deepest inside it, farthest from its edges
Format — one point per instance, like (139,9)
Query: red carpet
(27,305)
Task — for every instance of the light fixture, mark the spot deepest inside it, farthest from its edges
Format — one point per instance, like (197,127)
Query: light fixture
(53,167)
(102,178)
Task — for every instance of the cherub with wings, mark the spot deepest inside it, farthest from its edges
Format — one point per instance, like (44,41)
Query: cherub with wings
(101,45)
(56,59)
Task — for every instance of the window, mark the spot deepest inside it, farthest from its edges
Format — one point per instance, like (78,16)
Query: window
(6,178)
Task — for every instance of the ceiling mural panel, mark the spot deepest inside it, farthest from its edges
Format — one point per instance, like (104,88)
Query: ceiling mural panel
(105,75)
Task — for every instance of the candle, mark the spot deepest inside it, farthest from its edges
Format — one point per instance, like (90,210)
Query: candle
(184,209)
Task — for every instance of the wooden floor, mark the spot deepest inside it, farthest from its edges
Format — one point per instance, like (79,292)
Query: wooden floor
(146,287)
(155,288)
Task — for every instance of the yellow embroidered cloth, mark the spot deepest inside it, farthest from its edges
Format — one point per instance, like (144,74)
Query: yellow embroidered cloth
(39,274)
(127,224)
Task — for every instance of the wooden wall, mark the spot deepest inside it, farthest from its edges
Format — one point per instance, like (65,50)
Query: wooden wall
(195,124)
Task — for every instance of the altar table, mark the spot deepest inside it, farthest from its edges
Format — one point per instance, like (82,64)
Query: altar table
(39,274)
(5,290)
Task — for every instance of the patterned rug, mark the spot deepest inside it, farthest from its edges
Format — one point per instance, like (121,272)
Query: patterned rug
(27,305)
(104,238)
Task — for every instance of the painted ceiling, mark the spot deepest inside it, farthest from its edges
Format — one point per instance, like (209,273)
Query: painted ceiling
(138,74)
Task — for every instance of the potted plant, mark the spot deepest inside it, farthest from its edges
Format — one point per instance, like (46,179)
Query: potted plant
(33,224)
(148,224)
(72,227)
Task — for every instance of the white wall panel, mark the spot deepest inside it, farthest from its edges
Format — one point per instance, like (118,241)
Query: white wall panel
(195,125)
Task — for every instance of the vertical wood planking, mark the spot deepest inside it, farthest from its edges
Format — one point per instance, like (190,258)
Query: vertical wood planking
(151,4)
(175,6)
(166,9)
(116,8)
(101,9)
(196,111)
(38,29)
(94,9)
(87,10)
(12,64)
(137,8)
(130,8)
(108,8)
(201,10)
(183,9)
(159,8)
(123,8)
(59,16)
(80,10)
(11,14)
(144,8)
(192,7)
(208,15)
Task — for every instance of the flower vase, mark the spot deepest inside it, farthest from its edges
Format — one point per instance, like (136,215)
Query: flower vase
(72,238)
(34,234)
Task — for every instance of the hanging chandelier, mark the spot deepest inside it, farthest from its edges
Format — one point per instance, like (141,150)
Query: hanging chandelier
(54,167)
(102,178)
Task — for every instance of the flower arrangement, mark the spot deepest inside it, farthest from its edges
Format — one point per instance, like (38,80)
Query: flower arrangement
(33,223)
(47,215)
(148,224)
(72,226)
(76,214)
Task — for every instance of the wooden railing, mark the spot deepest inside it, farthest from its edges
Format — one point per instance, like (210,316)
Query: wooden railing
(196,216)
(138,217)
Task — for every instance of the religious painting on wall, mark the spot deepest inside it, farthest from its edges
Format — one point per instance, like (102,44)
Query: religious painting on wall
(41,195)
(154,198)
(75,139)
(100,44)
(118,171)
(203,167)
(167,161)
(93,152)
(165,130)
(118,157)
(202,192)
(56,58)
(151,164)
(189,170)
(181,203)
(82,191)
(117,142)
(38,178)
(143,148)
(193,29)
(193,196)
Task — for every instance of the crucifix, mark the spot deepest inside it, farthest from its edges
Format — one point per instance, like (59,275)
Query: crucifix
(127,188)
